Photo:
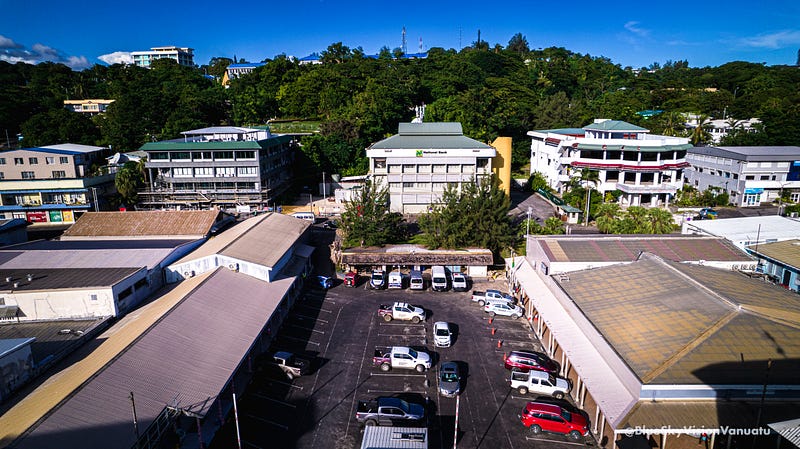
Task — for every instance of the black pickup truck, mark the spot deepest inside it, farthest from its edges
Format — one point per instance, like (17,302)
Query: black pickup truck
(388,411)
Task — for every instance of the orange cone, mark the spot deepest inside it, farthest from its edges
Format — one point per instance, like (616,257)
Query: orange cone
(505,356)
(490,320)
(493,331)
(499,343)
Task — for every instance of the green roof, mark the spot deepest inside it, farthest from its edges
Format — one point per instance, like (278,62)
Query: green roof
(614,125)
(442,135)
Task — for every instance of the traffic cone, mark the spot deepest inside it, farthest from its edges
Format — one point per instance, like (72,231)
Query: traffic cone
(490,320)
(505,356)
(499,343)
(493,331)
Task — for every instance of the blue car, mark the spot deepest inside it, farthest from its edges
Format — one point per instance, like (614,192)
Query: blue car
(325,282)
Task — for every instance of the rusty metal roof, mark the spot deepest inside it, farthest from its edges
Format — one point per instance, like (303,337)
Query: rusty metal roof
(416,255)
(668,320)
(786,252)
(615,248)
(144,224)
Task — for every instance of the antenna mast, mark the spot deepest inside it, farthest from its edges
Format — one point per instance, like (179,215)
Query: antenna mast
(403,44)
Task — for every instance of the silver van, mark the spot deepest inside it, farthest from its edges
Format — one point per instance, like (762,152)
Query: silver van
(415,280)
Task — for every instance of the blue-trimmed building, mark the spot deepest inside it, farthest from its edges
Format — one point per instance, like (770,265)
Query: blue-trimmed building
(52,184)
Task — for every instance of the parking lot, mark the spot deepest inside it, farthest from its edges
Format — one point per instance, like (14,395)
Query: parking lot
(341,329)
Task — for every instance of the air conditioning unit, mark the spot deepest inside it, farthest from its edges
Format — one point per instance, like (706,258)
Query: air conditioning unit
(188,274)
(233,266)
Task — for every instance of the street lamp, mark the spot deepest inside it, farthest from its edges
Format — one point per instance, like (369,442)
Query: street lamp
(528,225)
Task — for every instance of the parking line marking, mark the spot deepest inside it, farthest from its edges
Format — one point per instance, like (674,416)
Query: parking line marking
(394,391)
(268,421)
(559,442)
(267,398)
(312,318)
(286,384)
(298,339)
(397,375)
(401,335)
(315,308)
(306,328)
(391,323)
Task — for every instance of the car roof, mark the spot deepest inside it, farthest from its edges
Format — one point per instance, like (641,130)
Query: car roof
(441,324)
(542,407)
(529,354)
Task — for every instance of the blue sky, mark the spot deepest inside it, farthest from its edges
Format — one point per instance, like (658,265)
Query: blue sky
(81,33)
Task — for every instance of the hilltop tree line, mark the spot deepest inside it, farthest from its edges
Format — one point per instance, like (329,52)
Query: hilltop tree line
(357,100)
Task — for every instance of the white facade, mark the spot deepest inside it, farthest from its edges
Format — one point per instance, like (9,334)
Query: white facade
(750,175)
(647,169)
(181,55)
(420,161)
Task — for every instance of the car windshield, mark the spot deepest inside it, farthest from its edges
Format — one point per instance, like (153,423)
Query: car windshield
(377,276)
(412,353)
(442,331)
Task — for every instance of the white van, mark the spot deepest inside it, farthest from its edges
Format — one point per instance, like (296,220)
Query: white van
(395,279)
(308,216)
(415,280)
(438,278)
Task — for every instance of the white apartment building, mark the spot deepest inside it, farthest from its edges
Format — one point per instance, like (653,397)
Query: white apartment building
(646,168)
(750,175)
(181,55)
(89,107)
(420,161)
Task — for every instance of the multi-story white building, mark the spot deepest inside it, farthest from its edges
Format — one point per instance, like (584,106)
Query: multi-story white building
(236,70)
(420,161)
(646,168)
(181,55)
(750,175)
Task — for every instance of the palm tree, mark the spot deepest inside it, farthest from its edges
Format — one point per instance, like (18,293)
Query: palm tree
(673,124)
(607,216)
(660,221)
(700,134)
(593,177)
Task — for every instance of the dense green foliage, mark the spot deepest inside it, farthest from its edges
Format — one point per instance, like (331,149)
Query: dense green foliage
(611,219)
(493,91)
(474,216)
(367,221)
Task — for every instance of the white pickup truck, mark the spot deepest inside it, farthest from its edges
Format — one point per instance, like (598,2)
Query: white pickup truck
(539,382)
(401,357)
(491,295)
(401,311)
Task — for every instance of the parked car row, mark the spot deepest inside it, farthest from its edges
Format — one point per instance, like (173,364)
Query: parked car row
(441,280)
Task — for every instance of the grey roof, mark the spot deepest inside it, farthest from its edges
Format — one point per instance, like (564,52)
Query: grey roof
(12,223)
(268,241)
(74,147)
(184,360)
(395,437)
(755,154)
(421,136)
(12,344)
(51,336)
(613,125)
(89,253)
(62,278)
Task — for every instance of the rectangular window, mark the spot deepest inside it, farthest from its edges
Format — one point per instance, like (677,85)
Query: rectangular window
(28,175)
(380,162)
(33,160)
(453,168)
(245,155)
(424,168)
(440,168)
(59,174)
(63,160)
(226,171)
(93,297)
(247,171)
(201,155)
(49,160)
(223,155)
(181,156)
(2,175)
(395,169)
(19,161)
(182,172)
(204,172)
(2,161)
(763,178)
(749,177)
(408,168)
(159,156)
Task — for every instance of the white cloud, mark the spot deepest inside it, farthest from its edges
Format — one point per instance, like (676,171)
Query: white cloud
(775,40)
(13,52)
(633,27)
(118,57)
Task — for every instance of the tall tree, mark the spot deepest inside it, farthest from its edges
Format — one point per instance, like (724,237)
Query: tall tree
(518,44)
(128,181)
(367,220)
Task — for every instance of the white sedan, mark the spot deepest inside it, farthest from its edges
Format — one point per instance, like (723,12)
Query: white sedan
(503,309)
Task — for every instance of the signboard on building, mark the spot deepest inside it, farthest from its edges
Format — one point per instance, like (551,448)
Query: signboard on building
(67,216)
(36,217)
(55,216)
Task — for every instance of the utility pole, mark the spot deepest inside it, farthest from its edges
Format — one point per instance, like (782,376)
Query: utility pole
(135,420)
(528,226)
(324,192)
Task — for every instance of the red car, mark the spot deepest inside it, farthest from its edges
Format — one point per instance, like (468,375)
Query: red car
(525,361)
(540,417)
(350,279)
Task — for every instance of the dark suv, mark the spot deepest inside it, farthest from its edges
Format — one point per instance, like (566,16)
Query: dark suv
(525,361)
(540,417)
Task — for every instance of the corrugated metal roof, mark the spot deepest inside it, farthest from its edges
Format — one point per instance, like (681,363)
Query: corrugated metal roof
(669,320)
(421,136)
(377,437)
(786,252)
(61,278)
(268,241)
(615,248)
(143,224)
(789,430)
(416,255)
(749,229)
(185,360)
(695,417)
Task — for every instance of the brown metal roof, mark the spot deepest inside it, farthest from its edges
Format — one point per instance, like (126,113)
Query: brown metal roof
(416,255)
(787,251)
(185,360)
(144,224)
(614,248)
(667,320)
